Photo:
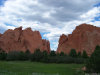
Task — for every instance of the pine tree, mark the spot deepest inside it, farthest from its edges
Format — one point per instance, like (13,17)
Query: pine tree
(79,55)
(37,55)
(62,54)
(73,53)
(3,54)
(84,54)
(93,65)
(52,53)
(27,54)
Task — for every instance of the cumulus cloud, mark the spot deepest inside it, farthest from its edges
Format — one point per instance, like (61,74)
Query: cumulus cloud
(51,17)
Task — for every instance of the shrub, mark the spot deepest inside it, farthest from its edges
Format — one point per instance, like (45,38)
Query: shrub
(13,55)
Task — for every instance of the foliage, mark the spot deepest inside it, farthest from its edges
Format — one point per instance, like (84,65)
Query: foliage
(16,55)
(2,54)
(52,53)
(44,56)
(22,56)
(13,55)
(27,55)
(37,55)
(79,55)
(84,54)
(62,54)
(93,64)
(73,53)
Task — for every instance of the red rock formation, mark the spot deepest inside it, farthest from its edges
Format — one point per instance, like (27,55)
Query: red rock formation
(84,37)
(0,35)
(21,40)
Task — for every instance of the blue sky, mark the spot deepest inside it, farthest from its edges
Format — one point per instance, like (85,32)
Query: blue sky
(51,17)
(2,2)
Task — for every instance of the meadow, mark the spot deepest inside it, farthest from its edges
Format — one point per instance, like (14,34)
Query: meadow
(36,68)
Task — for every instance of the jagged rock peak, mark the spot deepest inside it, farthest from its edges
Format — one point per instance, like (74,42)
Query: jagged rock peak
(21,40)
(63,38)
(29,28)
(85,27)
(19,28)
(84,37)
(0,34)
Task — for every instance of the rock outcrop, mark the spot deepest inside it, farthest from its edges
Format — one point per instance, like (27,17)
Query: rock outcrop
(0,35)
(84,37)
(21,40)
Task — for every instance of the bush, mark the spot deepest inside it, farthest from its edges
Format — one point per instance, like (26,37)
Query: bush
(39,56)
(13,55)
(79,60)
(16,55)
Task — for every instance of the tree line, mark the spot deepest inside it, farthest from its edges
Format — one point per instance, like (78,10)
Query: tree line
(44,56)
(92,62)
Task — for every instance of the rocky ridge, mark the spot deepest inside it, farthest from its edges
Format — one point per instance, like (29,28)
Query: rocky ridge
(84,37)
(21,40)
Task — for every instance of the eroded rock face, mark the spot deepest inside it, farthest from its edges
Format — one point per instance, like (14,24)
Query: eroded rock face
(0,35)
(21,40)
(84,37)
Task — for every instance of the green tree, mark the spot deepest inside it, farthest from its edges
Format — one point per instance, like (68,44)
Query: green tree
(45,56)
(27,54)
(52,53)
(62,54)
(37,55)
(13,55)
(93,65)
(27,51)
(84,54)
(3,54)
(79,55)
(73,53)
(22,56)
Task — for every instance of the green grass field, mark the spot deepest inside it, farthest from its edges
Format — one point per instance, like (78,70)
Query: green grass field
(34,68)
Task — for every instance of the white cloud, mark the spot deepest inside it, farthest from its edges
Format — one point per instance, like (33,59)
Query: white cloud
(50,16)
(94,12)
